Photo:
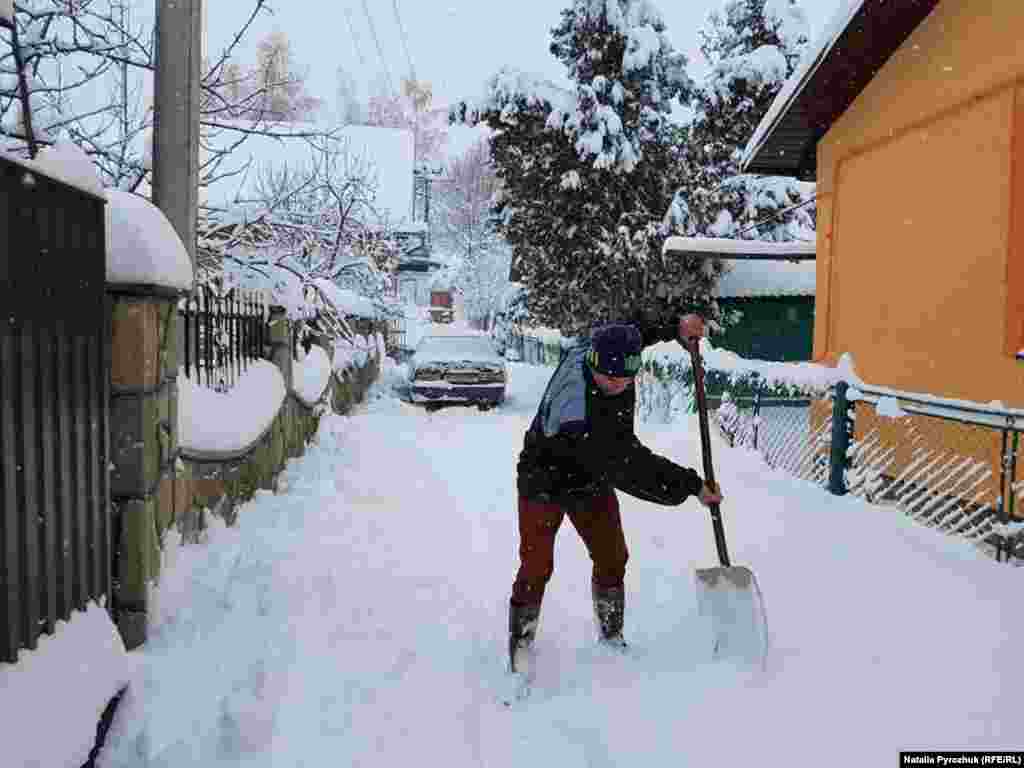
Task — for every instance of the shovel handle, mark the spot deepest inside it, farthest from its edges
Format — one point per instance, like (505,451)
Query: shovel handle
(705,450)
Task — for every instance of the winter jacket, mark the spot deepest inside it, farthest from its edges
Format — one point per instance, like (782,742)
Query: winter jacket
(582,442)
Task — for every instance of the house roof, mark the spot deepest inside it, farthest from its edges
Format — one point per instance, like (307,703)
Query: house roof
(747,250)
(860,38)
(755,268)
(389,150)
(761,279)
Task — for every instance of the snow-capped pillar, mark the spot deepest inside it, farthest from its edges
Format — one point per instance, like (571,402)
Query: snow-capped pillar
(148,274)
(150,489)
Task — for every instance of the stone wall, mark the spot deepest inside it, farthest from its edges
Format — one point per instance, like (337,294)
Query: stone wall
(154,485)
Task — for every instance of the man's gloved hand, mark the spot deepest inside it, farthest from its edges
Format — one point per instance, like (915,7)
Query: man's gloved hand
(709,496)
(691,328)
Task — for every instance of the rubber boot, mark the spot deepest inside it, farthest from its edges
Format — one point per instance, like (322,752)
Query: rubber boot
(609,612)
(522,628)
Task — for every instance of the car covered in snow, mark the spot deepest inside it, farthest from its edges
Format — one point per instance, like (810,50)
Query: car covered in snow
(451,368)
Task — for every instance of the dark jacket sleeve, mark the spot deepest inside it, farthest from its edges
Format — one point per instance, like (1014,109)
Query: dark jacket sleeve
(628,465)
(644,474)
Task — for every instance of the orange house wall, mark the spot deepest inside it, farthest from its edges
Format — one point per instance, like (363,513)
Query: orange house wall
(920,206)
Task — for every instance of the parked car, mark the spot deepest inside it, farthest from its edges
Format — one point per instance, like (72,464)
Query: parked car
(457,369)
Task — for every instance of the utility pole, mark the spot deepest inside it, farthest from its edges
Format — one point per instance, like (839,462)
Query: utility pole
(179,53)
(422,179)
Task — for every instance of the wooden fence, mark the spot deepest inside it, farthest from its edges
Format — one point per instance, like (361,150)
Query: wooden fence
(55,523)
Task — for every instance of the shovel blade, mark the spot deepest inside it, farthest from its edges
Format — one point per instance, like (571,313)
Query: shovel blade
(730,599)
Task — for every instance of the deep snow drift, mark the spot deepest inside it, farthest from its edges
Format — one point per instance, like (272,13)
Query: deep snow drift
(358,618)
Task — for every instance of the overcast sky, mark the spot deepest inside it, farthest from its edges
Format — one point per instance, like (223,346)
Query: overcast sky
(455,44)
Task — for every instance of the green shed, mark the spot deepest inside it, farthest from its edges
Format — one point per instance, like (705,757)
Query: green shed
(767,292)
(773,302)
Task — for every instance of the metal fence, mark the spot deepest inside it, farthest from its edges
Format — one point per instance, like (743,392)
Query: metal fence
(531,350)
(781,429)
(947,465)
(224,332)
(55,521)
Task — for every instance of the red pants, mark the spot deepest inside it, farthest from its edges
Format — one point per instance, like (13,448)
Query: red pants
(598,523)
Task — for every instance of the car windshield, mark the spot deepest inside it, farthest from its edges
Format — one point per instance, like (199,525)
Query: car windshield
(456,349)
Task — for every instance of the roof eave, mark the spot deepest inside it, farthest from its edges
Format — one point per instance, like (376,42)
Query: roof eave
(785,143)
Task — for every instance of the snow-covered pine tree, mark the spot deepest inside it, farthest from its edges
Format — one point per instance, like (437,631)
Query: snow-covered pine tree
(752,47)
(587,174)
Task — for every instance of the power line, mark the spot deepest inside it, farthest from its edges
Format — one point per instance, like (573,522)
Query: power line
(405,41)
(380,49)
(777,215)
(355,37)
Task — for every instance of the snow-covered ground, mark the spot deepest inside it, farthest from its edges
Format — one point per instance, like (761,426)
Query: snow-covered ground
(359,618)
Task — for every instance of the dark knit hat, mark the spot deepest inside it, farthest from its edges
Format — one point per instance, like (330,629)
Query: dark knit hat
(615,350)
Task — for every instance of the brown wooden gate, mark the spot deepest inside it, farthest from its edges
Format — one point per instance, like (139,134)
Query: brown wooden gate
(55,523)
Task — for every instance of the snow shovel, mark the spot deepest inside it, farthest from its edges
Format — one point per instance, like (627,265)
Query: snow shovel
(728,595)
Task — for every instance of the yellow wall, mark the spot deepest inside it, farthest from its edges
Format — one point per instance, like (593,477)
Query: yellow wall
(915,198)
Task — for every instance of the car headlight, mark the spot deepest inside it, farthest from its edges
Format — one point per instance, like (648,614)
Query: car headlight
(428,374)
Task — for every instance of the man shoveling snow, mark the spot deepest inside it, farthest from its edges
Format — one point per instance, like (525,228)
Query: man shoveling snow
(579,448)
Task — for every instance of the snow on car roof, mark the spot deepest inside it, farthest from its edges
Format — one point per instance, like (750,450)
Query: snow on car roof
(476,348)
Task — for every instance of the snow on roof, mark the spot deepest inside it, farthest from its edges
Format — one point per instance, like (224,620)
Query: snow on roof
(726,246)
(754,276)
(66,162)
(390,150)
(443,279)
(346,301)
(142,246)
(749,279)
(812,59)
(460,138)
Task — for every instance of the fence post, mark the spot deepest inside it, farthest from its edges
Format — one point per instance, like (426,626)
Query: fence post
(1011,473)
(1007,473)
(757,407)
(842,431)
